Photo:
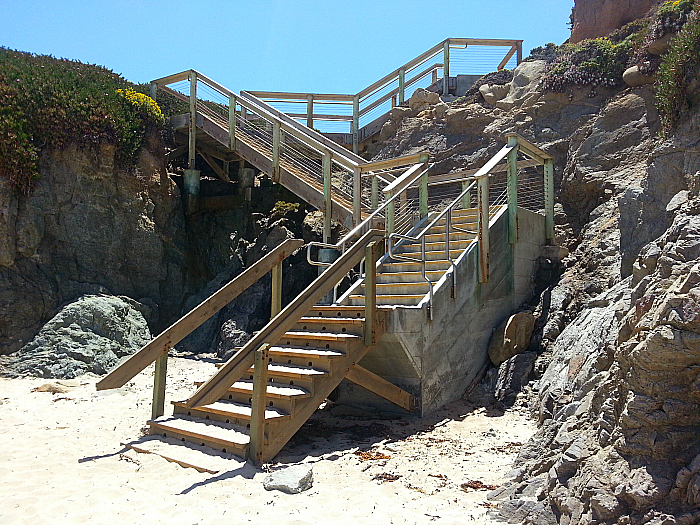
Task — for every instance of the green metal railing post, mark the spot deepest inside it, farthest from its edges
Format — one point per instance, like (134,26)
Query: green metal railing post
(423,195)
(276,151)
(355,124)
(549,200)
(512,188)
(159,378)
(483,228)
(356,196)
(257,415)
(309,111)
(276,304)
(446,67)
(327,197)
(466,198)
(232,122)
(402,88)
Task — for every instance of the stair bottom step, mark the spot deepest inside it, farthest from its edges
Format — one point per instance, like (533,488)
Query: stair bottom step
(202,432)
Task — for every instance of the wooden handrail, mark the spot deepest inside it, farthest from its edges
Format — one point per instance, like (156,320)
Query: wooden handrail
(414,158)
(198,315)
(239,364)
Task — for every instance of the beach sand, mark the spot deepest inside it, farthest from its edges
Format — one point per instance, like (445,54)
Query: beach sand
(63,459)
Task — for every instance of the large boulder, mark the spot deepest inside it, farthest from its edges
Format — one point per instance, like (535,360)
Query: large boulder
(511,337)
(635,78)
(90,334)
(422,98)
(523,87)
(492,93)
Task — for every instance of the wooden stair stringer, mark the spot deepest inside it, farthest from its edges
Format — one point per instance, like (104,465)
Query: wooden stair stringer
(323,386)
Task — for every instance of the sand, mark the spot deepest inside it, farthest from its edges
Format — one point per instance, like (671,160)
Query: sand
(62,460)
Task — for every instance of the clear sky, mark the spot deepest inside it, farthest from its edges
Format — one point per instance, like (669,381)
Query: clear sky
(327,46)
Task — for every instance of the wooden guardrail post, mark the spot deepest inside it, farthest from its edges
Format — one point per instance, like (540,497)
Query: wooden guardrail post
(327,196)
(483,228)
(159,379)
(375,193)
(390,214)
(257,415)
(276,305)
(355,123)
(446,67)
(276,132)
(434,77)
(193,120)
(512,161)
(356,196)
(549,200)
(309,111)
(423,195)
(232,122)
(370,293)
(402,86)
(466,198)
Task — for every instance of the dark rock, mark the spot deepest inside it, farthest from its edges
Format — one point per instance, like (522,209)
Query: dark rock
(513,376)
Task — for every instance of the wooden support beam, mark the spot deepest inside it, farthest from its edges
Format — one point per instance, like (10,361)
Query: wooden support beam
(173,154)
(257,415)
(232,122)
(549,200)
(390,213)
(380,386)
(154,90)
(395,162)
(507,57)
(466,198)
(446,68)
(159,379)
(214,166)
(512,193)
(276,144)
(356,196)
(375,193)
(195,317)
(309,111)
(402,87)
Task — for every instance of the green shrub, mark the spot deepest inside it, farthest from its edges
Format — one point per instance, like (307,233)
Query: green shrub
(677,71)
(50,102)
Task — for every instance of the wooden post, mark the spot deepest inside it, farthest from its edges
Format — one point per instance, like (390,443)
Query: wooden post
(549,200)
(423,195)
(154,90)
(309,111)
(159,378)
(232,122)
(393,101)
(327,196)
(512,188)
(276,151)
(356,196)
(446,67)
(434,76)
(193,119)
(375,193)
(355,124)
(402,87)
(276,306)
(483,228)
(257,415)
(520,53)
(466,198)
(390,214)
(370,293)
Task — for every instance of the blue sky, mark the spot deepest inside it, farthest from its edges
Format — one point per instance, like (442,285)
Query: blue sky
(280,45)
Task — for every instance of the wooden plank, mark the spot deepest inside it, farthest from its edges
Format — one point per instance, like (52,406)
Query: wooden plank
(483,42)
(257,416)
(380,386)
(238,365)
(159,379)
(175,153)
(213,165)
(507,57)
(371,256)
(395,162)
(461,175)
(530,149)
(187,323)
(171,79)
(322,116)
(276,303)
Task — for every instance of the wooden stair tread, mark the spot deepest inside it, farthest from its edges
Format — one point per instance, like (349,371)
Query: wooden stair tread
(290,370)
(202,429)
(397,296)
(274,390)
(339,320)
(233,409)
(305,351)
(324,336)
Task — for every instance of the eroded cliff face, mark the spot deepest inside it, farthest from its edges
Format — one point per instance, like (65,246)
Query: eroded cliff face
(594,18)
(90,227)
(618,366)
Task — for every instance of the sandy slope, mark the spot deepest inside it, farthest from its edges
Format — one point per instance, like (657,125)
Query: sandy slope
(61,462)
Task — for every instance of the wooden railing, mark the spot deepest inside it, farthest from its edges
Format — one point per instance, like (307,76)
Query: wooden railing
(393,87)
(157,349)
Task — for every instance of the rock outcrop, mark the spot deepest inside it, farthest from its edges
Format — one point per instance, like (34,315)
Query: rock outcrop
(594,18)
(88,335)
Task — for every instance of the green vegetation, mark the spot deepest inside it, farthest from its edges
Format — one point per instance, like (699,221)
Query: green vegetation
(50,102)
(677,85)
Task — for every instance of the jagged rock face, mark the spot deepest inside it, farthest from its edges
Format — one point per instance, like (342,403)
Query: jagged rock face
(89,227)
(594,18)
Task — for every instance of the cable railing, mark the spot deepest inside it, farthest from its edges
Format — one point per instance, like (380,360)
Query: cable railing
(360,115)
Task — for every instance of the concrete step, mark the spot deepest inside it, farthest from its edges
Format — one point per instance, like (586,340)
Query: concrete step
(404,300)
(219,436)
(409,277)
(455,244)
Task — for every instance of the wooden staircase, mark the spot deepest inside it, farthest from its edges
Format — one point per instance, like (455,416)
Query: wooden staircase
(304,367)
